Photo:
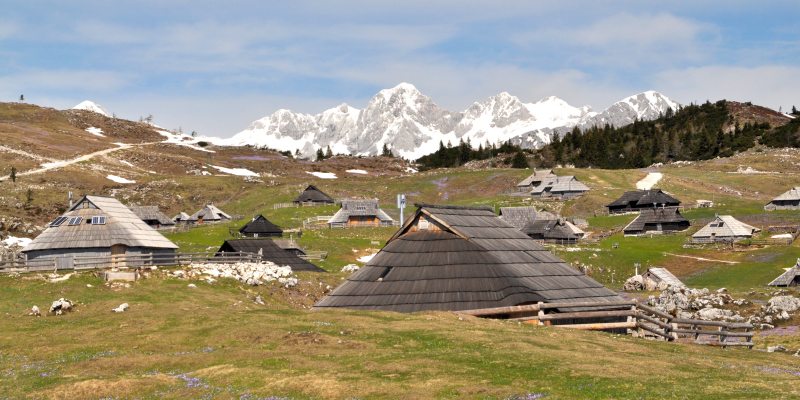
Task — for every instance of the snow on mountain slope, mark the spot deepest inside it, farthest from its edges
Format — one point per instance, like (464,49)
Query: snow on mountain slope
(412,125)
(93,107)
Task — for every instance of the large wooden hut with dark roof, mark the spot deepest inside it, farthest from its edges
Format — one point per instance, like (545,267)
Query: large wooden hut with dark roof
(657,220)
(462,258)
(97,226)
(312,196)
(152,216)
(534,180)
(360,213)
(270,252)
(789,278)
(556,230)
(637,200)
(789,200)
(563,187)
(260,227)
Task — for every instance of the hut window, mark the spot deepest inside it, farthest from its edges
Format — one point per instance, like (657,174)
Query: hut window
(385,272)
(99,220)
(423,225)
(59,221)
(75,221)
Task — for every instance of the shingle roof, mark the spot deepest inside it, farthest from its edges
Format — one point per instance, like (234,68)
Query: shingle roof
(261,226)
(312,193)
(359,207)
(210,213)
(476,261)
(553,229)
(536,176)
(121,226)
(151,213)
(655,216)
(182,216)
(666,276)
(787,277)
(560,184)
(791,194)
(645,198)
(518,217)
(271,252)
(726,226)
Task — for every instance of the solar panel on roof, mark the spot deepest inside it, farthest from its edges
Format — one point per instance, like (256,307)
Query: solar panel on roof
(58,221)
(98,220)
(75,221)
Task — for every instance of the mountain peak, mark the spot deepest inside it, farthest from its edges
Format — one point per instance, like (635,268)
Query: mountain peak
(93,107)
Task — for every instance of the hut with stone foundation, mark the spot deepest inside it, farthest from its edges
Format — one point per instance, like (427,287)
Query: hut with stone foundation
(638,200)
(152,216)
(312,196)
(360,213)
(787,201)
(97,226)
(789,278)
(260,227)
(463,258)
(657,220)
(269,251)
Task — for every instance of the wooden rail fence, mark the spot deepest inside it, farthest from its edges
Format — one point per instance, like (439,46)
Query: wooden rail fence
(128,261)
(641,321)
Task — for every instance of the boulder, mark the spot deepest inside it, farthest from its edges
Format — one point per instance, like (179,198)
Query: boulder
(634,283)
(710,314)
(191,286)
(783,303)
(35,312)
(773,349)
(350,268)
(122,307)
(61,306)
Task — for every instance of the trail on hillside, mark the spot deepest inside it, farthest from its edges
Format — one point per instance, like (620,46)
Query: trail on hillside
(649,181)
(86,157)
(702,259)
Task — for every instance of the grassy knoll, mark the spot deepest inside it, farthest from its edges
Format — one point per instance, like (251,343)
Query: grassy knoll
(177,342)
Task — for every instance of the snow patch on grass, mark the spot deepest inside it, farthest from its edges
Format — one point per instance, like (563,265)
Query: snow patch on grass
(22,242)
(119,179)
(95,131)
(236,171)
(357,171)
(323,175)
(366,259)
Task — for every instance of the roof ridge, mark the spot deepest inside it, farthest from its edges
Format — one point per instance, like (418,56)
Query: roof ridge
(450,207)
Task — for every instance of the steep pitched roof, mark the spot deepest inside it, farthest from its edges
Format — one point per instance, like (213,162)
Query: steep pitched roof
(537,176)
(553,229)
(787,277)
(151,213)
(518,217)
(261,226)
(655,216)
(666,276)
(121,226)
(560,184)
(312,193)
(791,194)
(210,213)
(644,198)
(472,260)
(270,251)
(182,216)
(359,207)
(726,226)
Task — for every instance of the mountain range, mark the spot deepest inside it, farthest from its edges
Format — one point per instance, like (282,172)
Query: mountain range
(411,125)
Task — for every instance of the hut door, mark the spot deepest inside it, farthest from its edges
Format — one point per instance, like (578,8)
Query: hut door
(658,227)
(118,255)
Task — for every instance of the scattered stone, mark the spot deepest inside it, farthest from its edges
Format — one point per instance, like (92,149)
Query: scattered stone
(350,268)
(122,307)
(35,312)
(88,285)
(61,306)
(253,274)
(773,349)
(258,300)
(191,286)
(783,303)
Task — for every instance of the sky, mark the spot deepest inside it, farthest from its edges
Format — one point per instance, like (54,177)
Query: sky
(216,66)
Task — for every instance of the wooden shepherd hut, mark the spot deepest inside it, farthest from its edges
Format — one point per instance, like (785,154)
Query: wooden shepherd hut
(312,196)
(210,213)
(724,228)
(789,278)
(261,227)
(360,213)
(183,219)
(270,252)
(534,180)
(518,217)
(97,226)
(152,216)
(659,275)
(462,258)
(556,230)
(657,220)
(787,201)
(638,200)
(563,187)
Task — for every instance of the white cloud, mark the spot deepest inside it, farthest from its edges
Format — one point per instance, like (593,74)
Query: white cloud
(55,80)
(770,86)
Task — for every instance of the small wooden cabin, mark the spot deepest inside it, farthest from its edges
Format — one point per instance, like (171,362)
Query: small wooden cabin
(183,219)
(563,187)
(657,220)
(790,278)
(313,196)
(462,258)
(637,200)
(724,228)
(97,226)
(556,230)
(787,201)
(360,213)
(534,180)
(260,227)
(152,216)
(270,252)
(209,214)
(659,275)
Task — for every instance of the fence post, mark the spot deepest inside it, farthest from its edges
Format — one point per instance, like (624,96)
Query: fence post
(541,314)
(722,337)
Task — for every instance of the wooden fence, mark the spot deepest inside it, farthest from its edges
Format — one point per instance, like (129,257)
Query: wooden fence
(128,261)
(641,321)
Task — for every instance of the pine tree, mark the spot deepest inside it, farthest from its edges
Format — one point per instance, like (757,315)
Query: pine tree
(13,174)
(388,153)
(320,154)
(519,161)
(794,111)
(328,153)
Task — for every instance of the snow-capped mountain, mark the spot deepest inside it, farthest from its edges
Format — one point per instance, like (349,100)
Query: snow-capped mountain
(93,107)
(412,125)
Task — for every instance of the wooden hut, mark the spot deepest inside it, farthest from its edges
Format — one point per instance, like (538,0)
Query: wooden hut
(724,228)
(659,275)
(462,258)
(360,213)
(183,219)
(556,230)
(270,252)
(789,278)
(534,180)
(518,217)
(210,213)
(291,245)
(638,200)
(312,196)
(97,226)
(260,227)
(152,216)
(657,220)
(563,187)
(787,201)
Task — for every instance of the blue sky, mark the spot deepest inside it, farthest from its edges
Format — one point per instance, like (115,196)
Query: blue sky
(214,67)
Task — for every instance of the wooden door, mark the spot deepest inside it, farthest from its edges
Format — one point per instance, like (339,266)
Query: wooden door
(118,255)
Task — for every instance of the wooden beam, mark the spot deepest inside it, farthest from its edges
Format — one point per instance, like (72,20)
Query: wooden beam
(654,311)
(589,304)
(729,325)
(653,321)
(597,327)
(709,343)
(578,315)
(499,310)
(654,330)
(713,333)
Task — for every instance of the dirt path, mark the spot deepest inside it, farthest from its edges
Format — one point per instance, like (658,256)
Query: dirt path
(59,164)
(649,181)
(702,259)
